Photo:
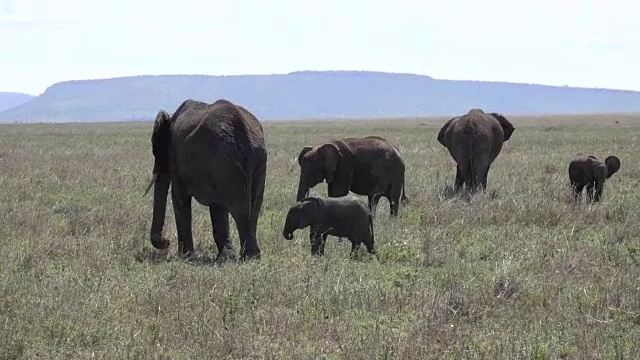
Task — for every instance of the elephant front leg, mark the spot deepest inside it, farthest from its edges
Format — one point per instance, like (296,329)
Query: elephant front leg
(590,188)
(374,199)
(220,224)
(182,211)
(317,239)
(599,185)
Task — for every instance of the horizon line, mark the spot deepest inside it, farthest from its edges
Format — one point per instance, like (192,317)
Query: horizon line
(296,72)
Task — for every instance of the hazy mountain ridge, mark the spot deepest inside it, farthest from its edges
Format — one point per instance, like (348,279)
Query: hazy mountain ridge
(10,100)
(311,94)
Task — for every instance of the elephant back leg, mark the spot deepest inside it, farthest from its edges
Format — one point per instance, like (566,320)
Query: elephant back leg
(459,179)
(245,211)
(221,235)
(372,203)
(374,199)
(246,224)
(577,190)
(484,178)
(463,174)
(474,170)
(394,198)
(182,211)
(355,245)
(599,186)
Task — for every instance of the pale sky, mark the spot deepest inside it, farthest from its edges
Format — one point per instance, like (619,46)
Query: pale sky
(555,42)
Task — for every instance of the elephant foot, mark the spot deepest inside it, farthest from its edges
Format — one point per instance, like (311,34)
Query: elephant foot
(187,256)
(158,242)
(227,254)
(250,254)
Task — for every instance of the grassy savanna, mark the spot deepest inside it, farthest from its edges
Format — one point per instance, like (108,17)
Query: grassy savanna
(518,272)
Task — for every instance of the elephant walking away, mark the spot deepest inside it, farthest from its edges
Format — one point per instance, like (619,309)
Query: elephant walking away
(214,153)
(591,172)
(370,166)
(343,217)
(474,140)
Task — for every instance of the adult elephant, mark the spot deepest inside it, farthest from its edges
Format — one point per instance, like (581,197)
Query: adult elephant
(474,140)
(216,154)
(370,166)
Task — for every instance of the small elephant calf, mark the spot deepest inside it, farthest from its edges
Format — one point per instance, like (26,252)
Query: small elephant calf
(591,172)
(342,217)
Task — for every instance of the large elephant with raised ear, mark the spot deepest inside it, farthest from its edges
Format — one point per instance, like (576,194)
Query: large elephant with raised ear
(474,140)
(370,166)
(214,153)
(591,172)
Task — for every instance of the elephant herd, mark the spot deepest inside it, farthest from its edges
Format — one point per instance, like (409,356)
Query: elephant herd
(216,154)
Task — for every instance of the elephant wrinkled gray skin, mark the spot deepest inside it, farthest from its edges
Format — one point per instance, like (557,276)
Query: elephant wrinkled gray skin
(342,217)
(370,166)
(591,172)
(474,140)
(214,153)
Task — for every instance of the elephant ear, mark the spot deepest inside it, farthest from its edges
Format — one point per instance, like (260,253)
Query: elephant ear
(613,165)
(160,141)
(317,203)
(338,164)
(305,150)
(507,127)
(443,130)
(330,155)
(312,210)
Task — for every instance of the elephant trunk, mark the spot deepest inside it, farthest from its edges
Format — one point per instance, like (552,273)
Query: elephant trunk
(303,190)
(288,230)
(160,191)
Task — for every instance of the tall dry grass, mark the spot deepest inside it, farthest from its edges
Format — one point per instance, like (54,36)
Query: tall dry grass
(518,273)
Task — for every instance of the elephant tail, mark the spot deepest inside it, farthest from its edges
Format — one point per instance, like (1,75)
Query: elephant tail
(471,148)
(373,240)
(472,172)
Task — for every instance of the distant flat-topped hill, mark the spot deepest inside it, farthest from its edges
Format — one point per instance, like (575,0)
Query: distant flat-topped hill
(10,100)
(310,95)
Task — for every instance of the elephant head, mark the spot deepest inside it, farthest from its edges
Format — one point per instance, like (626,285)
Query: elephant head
(613,165)
(325,162)
(160,142)
(303,214)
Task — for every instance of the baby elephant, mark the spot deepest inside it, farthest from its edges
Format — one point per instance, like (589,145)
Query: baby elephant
(341,216)
(591,172)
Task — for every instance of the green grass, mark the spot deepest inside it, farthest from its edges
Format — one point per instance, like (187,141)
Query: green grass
(518,273)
